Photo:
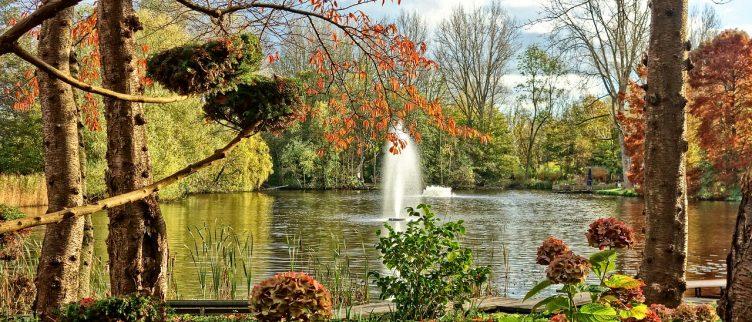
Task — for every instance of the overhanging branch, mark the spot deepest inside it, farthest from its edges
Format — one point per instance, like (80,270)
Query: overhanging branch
(119,200)
(34,19)
(42,65)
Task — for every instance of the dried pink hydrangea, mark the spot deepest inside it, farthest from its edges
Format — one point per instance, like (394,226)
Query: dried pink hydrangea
(568,268)
(550,249)
(610,232)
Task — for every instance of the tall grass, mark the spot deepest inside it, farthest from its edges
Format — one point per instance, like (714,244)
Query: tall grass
(23,190)
(222,257)
(335,271)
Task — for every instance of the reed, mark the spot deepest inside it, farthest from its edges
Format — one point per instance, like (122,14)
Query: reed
(222,258)
(23,190)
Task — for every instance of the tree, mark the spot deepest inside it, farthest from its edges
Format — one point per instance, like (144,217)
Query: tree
(612,35)
(474,49)
(137,241)
(540,94)
(703,25)
(722,88)
(735,304)
(720,98)
(60,259)
(665,256)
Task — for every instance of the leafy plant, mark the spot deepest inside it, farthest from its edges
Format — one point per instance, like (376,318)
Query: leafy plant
(431,266)
(130,308)
(291,296)
(615,297)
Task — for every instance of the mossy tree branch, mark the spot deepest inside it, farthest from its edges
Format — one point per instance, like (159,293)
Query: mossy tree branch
(114,201)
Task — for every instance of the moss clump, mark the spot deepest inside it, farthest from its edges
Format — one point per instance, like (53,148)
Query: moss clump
(274,102)
(200,68)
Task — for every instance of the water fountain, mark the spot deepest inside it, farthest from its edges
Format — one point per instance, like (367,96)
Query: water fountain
(401,182)
(437,192)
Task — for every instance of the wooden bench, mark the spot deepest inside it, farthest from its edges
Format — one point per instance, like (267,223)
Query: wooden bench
(701,284)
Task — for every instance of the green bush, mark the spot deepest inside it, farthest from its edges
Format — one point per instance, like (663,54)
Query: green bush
(130,308)
(272,101)
(432,268)
(217,64)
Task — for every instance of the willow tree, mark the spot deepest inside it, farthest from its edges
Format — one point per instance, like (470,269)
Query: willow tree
(664,259)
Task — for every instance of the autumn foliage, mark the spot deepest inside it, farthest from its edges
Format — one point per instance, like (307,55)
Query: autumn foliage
(719,101)
(633,124)
(720,98)
(368,91)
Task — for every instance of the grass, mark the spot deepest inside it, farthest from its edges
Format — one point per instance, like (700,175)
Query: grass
(23,190)
(621,192)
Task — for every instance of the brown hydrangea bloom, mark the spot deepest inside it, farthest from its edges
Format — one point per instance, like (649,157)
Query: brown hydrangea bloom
(610,232)
(706,313)
(663,313)
(625,297)
(568,268)
(559,318)
(685,312)
(550,249)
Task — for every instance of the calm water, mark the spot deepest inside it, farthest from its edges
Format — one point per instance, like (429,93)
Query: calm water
(514,222)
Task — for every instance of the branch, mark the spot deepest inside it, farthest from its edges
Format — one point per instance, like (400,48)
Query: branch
(122,199)
(36,61)
(44,12)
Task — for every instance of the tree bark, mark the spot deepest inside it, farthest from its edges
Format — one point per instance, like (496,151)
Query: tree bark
(57,278)
(735,304)
(136,244)
(87,244)
(664,259)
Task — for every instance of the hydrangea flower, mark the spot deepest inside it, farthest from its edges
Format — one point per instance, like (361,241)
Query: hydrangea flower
(568,268)
(625,297)
(559,318)
(610,232)
(550,249)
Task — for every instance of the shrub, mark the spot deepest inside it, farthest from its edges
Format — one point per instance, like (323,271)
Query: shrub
(199,68)
(273,102)
(431,266)
(11,244)
(616,297)
(291,297)
(130,308)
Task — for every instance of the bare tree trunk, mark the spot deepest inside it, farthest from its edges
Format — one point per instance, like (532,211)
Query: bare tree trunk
(665,255)
(137,244)
(626,161)
(57,273)
(736,303)
(87,243)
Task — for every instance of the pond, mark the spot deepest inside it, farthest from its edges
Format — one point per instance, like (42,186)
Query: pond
(293,229)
